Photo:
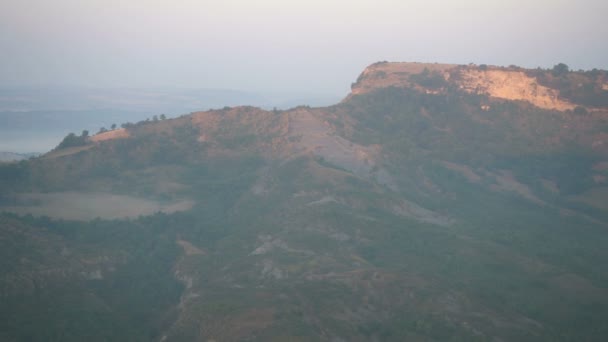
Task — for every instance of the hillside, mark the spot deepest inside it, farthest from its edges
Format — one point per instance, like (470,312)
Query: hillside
(435,202)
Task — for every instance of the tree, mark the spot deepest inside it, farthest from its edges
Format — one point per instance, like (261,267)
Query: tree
(560,70)
(163,117)
(113,126)
(155,118)
(102,130)
(579,110)
(72,140)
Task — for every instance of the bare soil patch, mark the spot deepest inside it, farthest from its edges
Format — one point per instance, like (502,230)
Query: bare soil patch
(85,206)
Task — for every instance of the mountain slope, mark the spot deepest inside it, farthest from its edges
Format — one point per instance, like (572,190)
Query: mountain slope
(421,207)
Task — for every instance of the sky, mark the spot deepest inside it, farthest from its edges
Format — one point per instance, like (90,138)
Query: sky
(311,46)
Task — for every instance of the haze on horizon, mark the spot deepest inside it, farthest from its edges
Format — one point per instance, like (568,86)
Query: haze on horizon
(307,46)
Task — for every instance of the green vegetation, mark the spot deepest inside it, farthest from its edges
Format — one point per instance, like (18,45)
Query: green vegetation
(72,140)
(582,88)
(560,69)
(429,79)
(104,280)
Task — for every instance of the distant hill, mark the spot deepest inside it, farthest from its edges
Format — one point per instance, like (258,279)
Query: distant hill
(434,202)
(10,156)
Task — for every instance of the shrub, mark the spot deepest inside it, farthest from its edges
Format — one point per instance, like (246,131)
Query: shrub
(72,140)
(429,79)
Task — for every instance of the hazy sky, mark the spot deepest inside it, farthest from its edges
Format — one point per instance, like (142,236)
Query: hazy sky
(313,46)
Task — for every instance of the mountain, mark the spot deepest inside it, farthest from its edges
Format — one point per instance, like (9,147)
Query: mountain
(435,202)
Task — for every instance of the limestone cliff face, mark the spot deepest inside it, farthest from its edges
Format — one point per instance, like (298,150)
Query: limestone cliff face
(500,83)
(512,85)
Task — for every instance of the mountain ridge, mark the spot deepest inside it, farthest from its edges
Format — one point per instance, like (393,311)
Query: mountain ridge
(495,83)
